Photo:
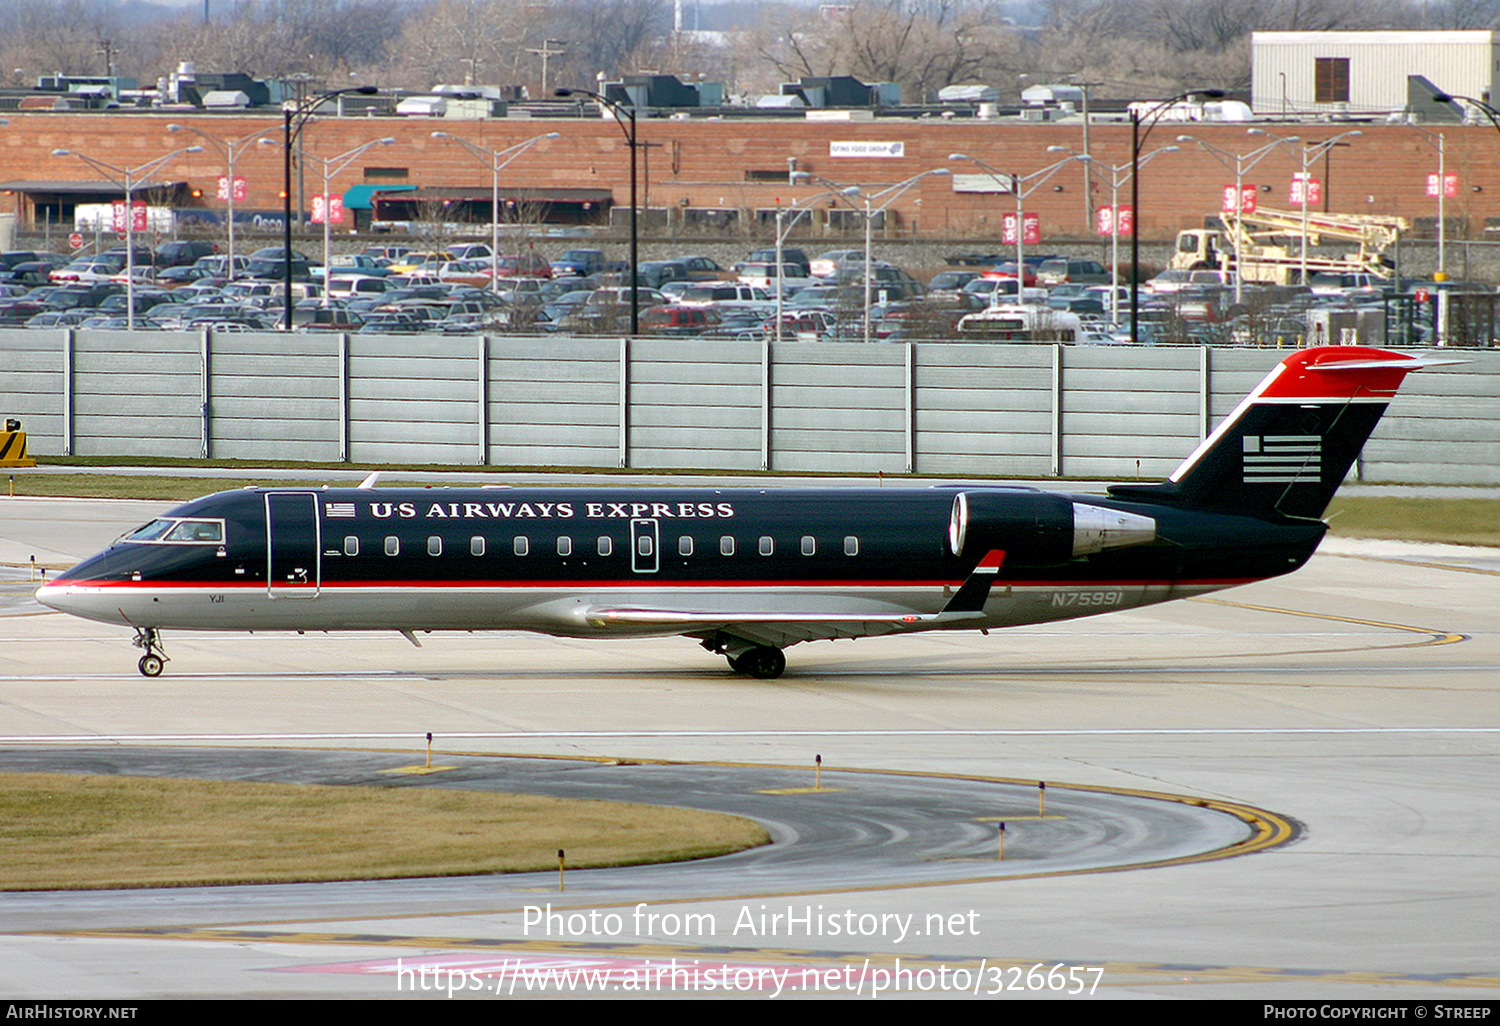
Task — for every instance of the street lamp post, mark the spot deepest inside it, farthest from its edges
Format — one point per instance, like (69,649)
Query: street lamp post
(131,178)
(797,208)
(232,152)
(493,159)
(331,166)
(1119,174)
(295,116)
(894,192)
(1439,143)
(1137,141)
(1240,163)
(621,114)
(1311,151)
(1020,189)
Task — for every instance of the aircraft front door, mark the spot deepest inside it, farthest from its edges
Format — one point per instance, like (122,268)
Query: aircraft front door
(293,545)
(644,555)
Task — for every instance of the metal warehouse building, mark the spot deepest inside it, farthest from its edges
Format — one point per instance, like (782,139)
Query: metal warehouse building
(1362,72)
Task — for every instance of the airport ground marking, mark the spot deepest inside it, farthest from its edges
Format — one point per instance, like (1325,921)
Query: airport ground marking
(1436,637)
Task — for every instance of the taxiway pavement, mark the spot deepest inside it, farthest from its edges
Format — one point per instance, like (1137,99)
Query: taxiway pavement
(1358,699)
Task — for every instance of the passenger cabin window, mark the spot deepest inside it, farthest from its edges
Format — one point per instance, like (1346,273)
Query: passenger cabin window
(521,546)
(605,546)
(726,545)
(392,545)
(351,545)
(476,546)
(851,545)
(434,545)
(767,545)
(685,545)
(564,545)
(809,545)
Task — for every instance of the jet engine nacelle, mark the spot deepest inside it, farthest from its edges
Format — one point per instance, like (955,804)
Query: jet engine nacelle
(1038,529)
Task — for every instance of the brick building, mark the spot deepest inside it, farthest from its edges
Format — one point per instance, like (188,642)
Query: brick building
(726,176)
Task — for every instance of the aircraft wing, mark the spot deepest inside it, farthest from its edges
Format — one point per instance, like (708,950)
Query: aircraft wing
(768,628)
(782,627)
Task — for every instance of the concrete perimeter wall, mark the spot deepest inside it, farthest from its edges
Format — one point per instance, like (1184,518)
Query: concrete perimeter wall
(930,408)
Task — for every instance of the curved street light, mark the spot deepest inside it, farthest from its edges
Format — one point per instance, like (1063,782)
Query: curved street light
(621,115)
(783,228)
(1483,107)
(295,116)
(1119,174)
(894,192)
(1019,188)
(330,171)
(1311,151)
(1239,163)
(131,178)
(492,159)
(231,151)
(1137,142)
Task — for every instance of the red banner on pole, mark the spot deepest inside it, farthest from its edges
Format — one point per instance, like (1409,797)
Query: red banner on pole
(335,210)
(240,188)
(1305,185)
(137,219)
(1031,229)
(1115,221)
(1239,201)
(1449,186)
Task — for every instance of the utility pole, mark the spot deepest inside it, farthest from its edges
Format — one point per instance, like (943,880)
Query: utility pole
(546,53)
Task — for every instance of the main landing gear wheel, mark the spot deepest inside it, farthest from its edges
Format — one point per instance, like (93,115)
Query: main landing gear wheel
(155,660)
(762,662)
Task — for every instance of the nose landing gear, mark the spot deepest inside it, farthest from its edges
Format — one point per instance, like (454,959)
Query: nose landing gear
(155,659)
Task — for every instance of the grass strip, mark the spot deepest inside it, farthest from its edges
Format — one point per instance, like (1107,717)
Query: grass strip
(1455,521)
(63,831)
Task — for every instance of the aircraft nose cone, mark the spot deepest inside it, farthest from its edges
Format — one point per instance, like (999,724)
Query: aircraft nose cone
(55,596)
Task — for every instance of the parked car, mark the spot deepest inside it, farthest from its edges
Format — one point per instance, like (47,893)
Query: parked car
(763,276)
(522,265)
(183,252)
(89,269)
(951,281)
(678,320)
(1058,270)
(585,262)
(11,258)
(828,264)
(1176,281)
(1008,270)
(702,268)
(788,256)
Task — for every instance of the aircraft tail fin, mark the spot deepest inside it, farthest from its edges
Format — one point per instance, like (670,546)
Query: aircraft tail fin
(1288,446)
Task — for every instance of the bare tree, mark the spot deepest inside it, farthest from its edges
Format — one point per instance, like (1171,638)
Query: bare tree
(922,44)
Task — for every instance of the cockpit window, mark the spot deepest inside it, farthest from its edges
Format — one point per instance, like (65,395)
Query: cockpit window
(191,532)
(151,531)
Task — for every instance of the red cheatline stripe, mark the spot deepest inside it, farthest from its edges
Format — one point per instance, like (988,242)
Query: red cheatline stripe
(647,584)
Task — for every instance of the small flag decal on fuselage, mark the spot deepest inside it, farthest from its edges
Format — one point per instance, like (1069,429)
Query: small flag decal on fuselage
(1282,459)
(339,509)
